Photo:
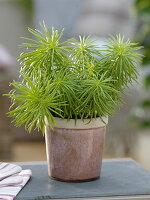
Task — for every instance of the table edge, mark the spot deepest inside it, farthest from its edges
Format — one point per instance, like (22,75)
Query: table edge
(45,162)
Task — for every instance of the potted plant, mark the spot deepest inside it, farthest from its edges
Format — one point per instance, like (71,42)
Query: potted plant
(68,90)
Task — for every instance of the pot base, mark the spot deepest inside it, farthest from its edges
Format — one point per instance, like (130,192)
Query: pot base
(74,181)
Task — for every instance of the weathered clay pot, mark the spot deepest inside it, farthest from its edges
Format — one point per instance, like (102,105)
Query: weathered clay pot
(74,150)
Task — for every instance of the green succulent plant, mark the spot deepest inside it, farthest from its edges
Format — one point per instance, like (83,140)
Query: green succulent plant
(74,79)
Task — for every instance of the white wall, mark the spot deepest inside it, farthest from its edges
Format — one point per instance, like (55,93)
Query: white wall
(58,13)
(13,25)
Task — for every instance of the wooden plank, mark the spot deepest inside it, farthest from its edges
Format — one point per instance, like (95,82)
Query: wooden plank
(45,162)
(141,197)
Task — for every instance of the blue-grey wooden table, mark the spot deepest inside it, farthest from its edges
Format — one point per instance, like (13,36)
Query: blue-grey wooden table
(121,179)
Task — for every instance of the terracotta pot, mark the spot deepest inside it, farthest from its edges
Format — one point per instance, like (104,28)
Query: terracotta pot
(74,150)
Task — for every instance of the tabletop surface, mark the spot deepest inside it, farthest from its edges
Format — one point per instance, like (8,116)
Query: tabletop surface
(120,178)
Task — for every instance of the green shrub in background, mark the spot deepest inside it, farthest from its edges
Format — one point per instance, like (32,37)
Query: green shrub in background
(27,5)
(141,115)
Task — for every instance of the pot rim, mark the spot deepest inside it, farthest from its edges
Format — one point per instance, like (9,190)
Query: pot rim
(81,124)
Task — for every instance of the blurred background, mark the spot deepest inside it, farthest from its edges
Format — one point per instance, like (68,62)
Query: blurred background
(128,132)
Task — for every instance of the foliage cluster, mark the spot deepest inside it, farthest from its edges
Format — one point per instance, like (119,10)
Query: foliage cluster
(142,8)
(72,79)
(141,114)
